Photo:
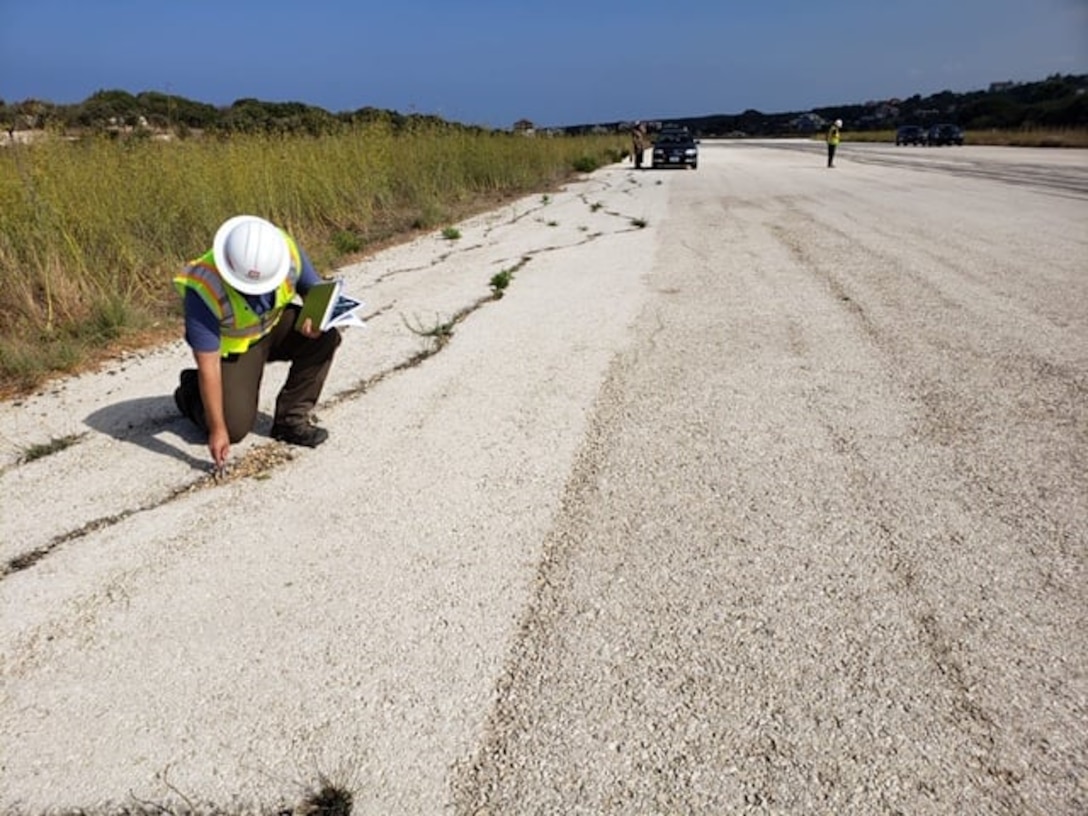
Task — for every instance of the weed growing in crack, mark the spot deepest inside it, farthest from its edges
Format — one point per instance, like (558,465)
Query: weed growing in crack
(325,799)
(639,222)
(46,448)
(440,333)
(328,800)
(499,282)
(545,199)
(553,223)
(596,205)
(451,233)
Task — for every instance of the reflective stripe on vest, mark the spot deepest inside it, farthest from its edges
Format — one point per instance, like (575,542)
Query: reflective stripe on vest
(239,326)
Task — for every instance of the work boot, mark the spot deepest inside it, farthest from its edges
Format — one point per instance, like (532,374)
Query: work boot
(305,434)
(187,398)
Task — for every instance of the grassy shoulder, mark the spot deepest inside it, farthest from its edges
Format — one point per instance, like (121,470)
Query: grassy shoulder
(92,232)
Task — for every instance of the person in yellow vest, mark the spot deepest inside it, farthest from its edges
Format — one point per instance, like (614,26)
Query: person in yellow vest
(239,316)
(833,141)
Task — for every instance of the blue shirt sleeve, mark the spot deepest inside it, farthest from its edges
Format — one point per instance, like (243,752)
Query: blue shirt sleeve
(307,275)
(201,324)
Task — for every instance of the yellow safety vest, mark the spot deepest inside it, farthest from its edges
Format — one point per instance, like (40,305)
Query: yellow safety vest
(239,326)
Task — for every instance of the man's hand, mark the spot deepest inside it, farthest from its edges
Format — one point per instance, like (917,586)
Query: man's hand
(307,329)
(219,446)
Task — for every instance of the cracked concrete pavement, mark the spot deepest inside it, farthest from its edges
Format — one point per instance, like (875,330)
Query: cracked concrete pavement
(776,505)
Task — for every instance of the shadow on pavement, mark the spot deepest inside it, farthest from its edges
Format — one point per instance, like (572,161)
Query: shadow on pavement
(142,422)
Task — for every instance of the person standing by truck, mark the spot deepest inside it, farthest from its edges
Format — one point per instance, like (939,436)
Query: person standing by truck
(638,143)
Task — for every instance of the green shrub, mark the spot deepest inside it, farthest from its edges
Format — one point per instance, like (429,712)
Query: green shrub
(585,164)
(346,242)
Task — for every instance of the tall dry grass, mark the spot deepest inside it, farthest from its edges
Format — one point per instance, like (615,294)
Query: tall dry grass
(91,232)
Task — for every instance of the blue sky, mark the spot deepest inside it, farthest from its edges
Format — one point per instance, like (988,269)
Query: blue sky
(491,62)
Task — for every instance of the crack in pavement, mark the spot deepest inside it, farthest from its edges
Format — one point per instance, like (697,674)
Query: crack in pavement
(262,459)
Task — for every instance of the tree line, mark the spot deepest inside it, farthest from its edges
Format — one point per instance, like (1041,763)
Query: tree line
(1055,102)
(113,111)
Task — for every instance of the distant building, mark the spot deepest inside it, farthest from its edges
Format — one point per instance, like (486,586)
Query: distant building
(808,123)
(884,110)
(524,127)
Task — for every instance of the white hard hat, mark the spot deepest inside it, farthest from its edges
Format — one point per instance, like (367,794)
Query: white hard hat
(251,254)
(838,123)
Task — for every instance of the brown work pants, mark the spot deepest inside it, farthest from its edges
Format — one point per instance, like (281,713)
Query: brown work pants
(310,361)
